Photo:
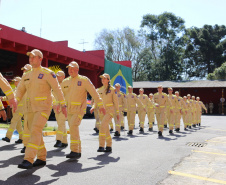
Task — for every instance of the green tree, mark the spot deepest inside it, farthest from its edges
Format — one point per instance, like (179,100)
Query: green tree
(165,34)
(218,74)
(205,50)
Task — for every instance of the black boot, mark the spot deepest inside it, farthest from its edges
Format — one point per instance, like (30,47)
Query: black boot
(64,145)
(122,128)
(23,150)
(153,123)
(150,129)
(111,129)
(199,124)
(19,141)
(58,144)
(117,133)
(189,127)
(39,162)
(171,131)
(159,133)
(141,129)
(177,129)
(130,132)
(74,155)
(108,149)
(165,126)
(100,149)
(25,165)
(194,125)
(6,139)
(185,128)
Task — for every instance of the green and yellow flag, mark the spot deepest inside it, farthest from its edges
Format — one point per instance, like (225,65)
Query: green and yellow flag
(119,74)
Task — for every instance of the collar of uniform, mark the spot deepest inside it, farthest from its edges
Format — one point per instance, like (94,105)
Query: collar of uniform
(36,69)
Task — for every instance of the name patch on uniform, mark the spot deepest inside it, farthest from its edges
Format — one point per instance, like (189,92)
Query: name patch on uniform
(173,97)
(53,75)
(40,76)
(143,97)
(79,83)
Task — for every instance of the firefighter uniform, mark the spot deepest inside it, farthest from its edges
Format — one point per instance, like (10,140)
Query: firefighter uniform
(141,113)
(151,111)
(189,110)
(96,115)
(194,110)
(171,105)
(110,102)
(122,104)
(2,111)
(75,91)
(6,88)
(161,100)
(16,119)
(185,108)
(200,105)
(61,134)
(132,100)
(38,83)
(178,110)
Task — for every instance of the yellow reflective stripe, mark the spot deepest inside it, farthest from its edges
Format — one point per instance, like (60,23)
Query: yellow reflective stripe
(161,126)
(62,102)
(99,104)
(161,106)
(132,105)
(21,132)
(60,132)
(80,117)
(84,110)
(102,134)
(109,137)
(18,99)
(171,125)
(117,111)
(117,125)
(75,141)
(20,105)
(132,124)
(26,135)
(41,147)
(110,104)
(40,98)
(45,115)
(21,114)
(7,93)
(141,122)
(64,134)
(120,105)
(10,130)
(76,103)
(30,145)
(111,114)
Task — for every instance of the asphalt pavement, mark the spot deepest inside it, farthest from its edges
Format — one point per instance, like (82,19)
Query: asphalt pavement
(197,156)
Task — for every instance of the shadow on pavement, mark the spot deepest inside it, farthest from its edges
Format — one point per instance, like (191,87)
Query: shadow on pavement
(105,159)
(9,147)
(70,165)
(56,152)
(26,177)
(12,161)
(119,138)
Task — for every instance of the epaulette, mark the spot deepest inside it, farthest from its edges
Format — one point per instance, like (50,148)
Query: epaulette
(28,71)
(46,70)
(112,88)
(156,93)
(68,78)
(82,77)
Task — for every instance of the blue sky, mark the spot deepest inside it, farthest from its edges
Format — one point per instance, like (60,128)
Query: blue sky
(75,20)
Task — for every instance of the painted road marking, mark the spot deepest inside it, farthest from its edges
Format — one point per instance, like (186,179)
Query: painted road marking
(208,152)
(216,129)
(214,141)
(197,177)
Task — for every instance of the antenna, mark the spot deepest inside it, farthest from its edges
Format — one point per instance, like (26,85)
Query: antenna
(41,25)
(83,42)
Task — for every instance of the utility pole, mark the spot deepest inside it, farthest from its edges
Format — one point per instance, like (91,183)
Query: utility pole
(83,42)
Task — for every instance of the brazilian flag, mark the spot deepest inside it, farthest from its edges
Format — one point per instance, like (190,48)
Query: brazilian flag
(119,74)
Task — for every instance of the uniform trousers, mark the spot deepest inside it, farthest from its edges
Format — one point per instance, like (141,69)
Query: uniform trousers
(35,124)
(61,134)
